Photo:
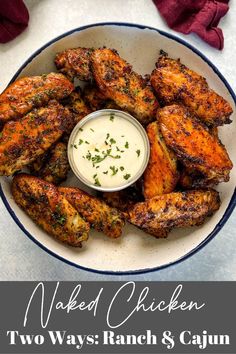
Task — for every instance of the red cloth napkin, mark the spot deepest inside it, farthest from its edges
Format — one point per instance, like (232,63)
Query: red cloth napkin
(199,16)
(14,18)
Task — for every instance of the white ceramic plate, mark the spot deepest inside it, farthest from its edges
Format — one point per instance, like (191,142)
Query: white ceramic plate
(135,251)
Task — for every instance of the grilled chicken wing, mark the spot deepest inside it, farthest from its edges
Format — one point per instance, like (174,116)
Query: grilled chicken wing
(118,82)
(49,209)
(75,62)
(55,165)
(161,174)
(94,97)
(76,104)
(22,141)
(30,92)
(122,200)
(174,82)
(95,211)
(193,143)
(164,212)
(191,178)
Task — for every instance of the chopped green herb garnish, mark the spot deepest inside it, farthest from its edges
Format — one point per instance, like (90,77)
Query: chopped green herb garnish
(108,135)
(117,149)
(92,129)
(122,136)
(112,117)
(96,149)
(81,129)
(96,181)
(138,152)
(126,145)
(122,168)
(105,172)
(112,141)
(86,142)
(114,170)
(61,219)
(75,146)
(127,176)
(88,156)
(80,141)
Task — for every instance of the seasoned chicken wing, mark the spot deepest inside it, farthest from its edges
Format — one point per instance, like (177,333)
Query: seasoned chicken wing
(22,141)
(174,82)
(94,97)
(55,165)
(176,209)
(193,143)
(95,211)
(123,199)
(75,62)
(29,92)
(161,175)
(49,209)
(191,178)
(118,82)
(97,100)
(76,104)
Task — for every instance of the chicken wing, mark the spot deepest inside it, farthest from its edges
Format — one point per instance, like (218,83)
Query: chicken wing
(174,82)
(22,141)
(161,175)
(95,211)
(190,179)
(193,143)
(30,92)
(76,104)
(55,165)
(75,62)
(94,97)
(176,209)
(118,82)
(49,209)
(123,199)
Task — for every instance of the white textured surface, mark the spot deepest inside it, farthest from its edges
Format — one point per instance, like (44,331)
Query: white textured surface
(20,258)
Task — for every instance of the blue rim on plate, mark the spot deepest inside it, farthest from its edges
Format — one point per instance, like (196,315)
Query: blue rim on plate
(232,202)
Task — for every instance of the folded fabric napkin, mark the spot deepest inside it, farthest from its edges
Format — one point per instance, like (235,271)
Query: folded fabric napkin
(199,16)
(14,18)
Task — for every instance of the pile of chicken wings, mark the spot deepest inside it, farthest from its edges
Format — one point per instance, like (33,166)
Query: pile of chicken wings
(179,112)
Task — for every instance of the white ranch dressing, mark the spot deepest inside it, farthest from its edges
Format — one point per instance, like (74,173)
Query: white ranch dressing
(108,151)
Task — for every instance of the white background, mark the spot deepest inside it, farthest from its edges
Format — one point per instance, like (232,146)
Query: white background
(20,258)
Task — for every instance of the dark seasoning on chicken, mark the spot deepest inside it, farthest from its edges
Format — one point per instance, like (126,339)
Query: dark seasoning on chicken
(179,112)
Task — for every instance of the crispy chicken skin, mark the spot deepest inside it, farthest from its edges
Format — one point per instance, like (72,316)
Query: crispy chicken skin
(29,92)
(94,98)
(49,209)
(75,62)
(95,211)
(174,82)
(22,141)
(177,209)
(161,174)
(118,82)
(55,165)
(76,104)
(122,200)
(190,179)
(193,143)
